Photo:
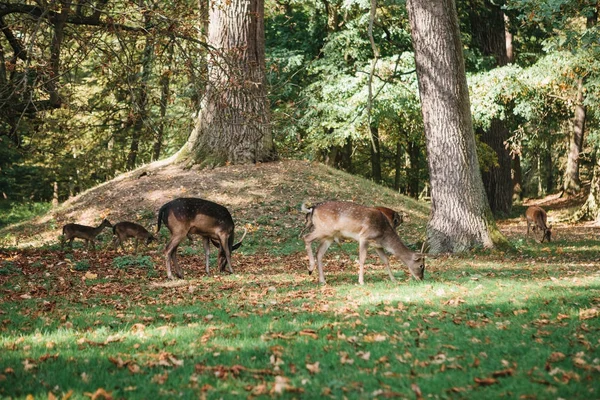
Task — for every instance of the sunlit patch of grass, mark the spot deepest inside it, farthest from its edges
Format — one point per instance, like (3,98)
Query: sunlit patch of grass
(522,322)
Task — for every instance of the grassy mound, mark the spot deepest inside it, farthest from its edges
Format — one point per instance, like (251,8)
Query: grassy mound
(265,198)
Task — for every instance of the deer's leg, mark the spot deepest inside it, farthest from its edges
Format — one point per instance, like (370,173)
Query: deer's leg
(386,261)
(308,239)
(363,246)
(320,253)
(170,249)
(136,245)
(206,245)
(178,270)
(224,242)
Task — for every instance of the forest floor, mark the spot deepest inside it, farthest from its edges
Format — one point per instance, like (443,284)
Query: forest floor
(522,323)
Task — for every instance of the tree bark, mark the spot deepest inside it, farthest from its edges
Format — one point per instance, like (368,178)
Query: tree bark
(591,207)
(140,96)
(398,166)
(413,177)
(460,215)
(233,124)
(489,35)
(375,154)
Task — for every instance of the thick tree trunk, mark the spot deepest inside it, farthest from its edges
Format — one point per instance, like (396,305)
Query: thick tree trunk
(489,35)
(591,208)
(460,215)
(572,183)
(233,124)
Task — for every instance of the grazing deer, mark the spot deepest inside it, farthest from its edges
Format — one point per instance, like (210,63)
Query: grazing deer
(335,219)
(124,230)
(536,217)
(212,221)
(394,217)
(87,233)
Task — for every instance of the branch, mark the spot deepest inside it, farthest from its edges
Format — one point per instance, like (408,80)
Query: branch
(20,52)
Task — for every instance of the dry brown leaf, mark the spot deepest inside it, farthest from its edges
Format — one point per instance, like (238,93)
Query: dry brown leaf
(313,368)
(415,388)
(485,381)
(589,313)
(503,373)
(556,357)
(99,394)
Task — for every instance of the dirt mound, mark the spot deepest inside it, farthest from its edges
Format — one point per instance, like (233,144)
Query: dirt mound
(263,196)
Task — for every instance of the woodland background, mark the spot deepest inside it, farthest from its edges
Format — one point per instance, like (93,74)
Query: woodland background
(91,89)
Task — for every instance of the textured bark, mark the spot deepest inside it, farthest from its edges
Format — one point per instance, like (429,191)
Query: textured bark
(517,178)
(489,35)
(591,208)
(460,214)
(165,95)
(572,183)
(233,124)
(140,96)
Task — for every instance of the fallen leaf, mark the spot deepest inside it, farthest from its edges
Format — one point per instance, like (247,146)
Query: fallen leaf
(280,385)
(589,313)
(556,356)
(503,373)
(485,381)
(415,388)
(98,394)
(313,368)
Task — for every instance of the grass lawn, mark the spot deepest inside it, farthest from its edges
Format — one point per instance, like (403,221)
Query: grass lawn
(524,324)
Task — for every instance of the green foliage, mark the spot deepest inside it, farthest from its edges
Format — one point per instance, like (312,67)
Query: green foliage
(128,261)
(82,265)
(14,212)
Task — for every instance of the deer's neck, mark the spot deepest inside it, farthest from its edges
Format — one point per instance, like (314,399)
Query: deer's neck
(393,244)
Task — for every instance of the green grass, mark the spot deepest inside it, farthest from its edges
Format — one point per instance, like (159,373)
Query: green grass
(15,212)
(522,324)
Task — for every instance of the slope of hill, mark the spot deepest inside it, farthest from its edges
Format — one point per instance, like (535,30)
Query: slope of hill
(264,198)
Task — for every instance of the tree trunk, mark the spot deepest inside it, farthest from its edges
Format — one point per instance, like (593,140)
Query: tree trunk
(165,94)
(489,35)
(591,208)
(572,183)
(233,124)
(460,215)
(375,154)
(398,166)
(414,152)
(140,100)
(55,47)
(518,192)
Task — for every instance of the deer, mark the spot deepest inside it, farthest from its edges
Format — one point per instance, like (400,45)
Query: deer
(125,230)
(536,217)
(393,217)
(186,216)
(332,220)
(87,233)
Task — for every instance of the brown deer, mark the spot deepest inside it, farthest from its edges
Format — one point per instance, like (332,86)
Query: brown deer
(125,230)
(212,221)
(87,233)
(536,217)
(336,219)
(394,217)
